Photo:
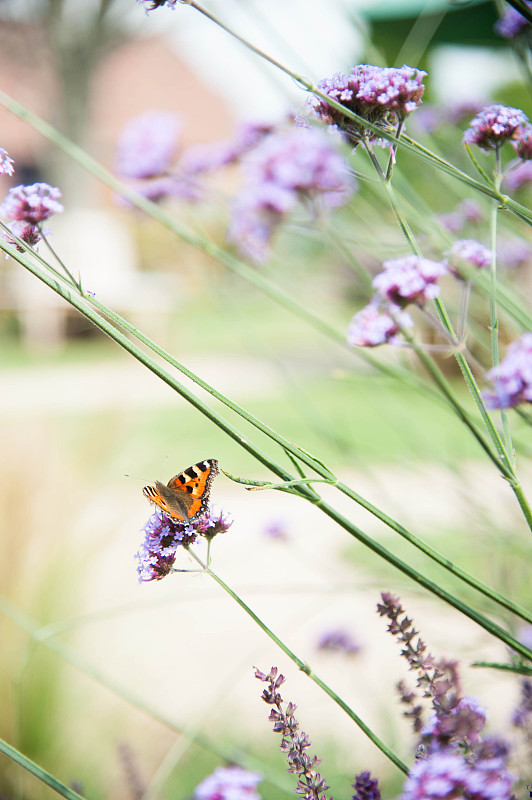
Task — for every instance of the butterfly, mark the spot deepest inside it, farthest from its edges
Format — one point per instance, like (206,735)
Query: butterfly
(185,498)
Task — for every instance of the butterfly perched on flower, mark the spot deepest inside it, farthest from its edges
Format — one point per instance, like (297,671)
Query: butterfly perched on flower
(185,498)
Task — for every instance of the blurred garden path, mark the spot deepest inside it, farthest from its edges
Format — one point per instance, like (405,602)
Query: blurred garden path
(102,385)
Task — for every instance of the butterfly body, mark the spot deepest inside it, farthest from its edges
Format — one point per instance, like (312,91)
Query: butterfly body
(185,498)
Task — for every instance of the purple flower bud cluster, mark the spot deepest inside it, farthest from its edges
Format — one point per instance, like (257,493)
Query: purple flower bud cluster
(310,785)
(512,22)
(495,125)
(286,168)
(411,279)
(512,378)
(229,783)
(23,230)
(6,163)
(381,95)
(213,522)
(339,641)
(366,787)
(446,775)
(468,252)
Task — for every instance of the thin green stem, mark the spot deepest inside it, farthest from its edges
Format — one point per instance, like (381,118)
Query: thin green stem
(292,450)
(39,772)
(303,666)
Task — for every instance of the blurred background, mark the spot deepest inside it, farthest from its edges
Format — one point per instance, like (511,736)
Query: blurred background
(120,680)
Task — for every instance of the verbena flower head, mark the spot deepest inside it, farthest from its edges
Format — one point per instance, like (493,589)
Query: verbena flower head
(148,144)
(28,233)
(495,125)
(512,378)
(212,523)
(467,211)
(366,787)
(470,252)
(32,204)
(410,279)
(382,95)
(286,168)
(338,641)
(229,783)
(162,537)
(512,22)
(375,325)
(6,163)
(446,775)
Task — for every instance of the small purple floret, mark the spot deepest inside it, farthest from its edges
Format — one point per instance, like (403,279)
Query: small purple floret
(148,144)
(32,204)
(495,125)
(229,783)
(410,279)
(375,325)
(6,163)
(512,378)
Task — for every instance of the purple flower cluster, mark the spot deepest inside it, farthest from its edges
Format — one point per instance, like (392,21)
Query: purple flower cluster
(32,204)
(213,522)
(338,641)
(162,537)
(523,143)
(286,168)
(229,783)
(381,95)
(376,324)
(512,22)
(512,378)
(411,279)
(23,230)
(522,715)
(471,252)
(495,125)
(6,163)
(148,144)
(446,775)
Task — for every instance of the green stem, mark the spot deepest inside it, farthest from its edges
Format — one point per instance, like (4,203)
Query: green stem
(292,450)
(40,773)
(303,666)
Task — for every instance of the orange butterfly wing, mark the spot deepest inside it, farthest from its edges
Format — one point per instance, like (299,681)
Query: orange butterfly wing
(185,498)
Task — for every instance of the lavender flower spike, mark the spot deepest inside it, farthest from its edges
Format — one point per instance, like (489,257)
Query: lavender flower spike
(32,204)
(6,163)
(495,125)
(512,378)
(366,787)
